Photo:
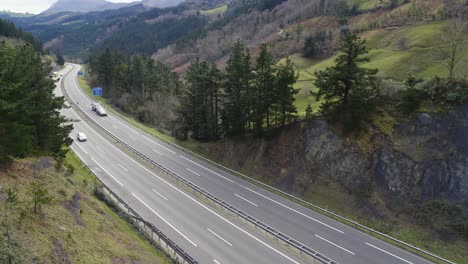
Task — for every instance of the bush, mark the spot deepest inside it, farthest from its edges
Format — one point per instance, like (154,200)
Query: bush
(442,216)
(410,100)
(447,93)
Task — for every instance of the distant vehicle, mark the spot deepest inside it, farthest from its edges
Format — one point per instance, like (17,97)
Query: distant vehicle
(81,137)
(101,111)
(95,105)
(66,104)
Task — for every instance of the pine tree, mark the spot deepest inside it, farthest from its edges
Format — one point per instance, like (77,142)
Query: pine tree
(310,47)
(237,82)
(286,77)
(264,91)
(30,121)
(309,112)
(347,88)
(200,105)
(60,60)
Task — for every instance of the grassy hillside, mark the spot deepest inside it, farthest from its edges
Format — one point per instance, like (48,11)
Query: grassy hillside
(66,232)
(396,52)
(215,11)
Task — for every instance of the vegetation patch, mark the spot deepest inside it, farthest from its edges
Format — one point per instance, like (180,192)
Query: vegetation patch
(215,11)
(65,230)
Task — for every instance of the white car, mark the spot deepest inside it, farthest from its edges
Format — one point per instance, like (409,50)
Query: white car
(81,137)
(95,105)
(101,111)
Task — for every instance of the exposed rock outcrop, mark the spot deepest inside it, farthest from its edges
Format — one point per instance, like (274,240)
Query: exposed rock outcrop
(425,158)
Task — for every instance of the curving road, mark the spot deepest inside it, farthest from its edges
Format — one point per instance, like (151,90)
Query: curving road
(205,234)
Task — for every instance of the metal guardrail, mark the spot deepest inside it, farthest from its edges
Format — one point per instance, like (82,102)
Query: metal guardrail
(290,241)
(319,208)
(186,258)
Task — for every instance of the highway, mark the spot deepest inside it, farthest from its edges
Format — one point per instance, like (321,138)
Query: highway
(208,235)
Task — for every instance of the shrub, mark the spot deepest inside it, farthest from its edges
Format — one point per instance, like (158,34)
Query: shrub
(442,216)
(410,100)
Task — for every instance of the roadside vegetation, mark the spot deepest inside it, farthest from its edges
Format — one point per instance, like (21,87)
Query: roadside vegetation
(48,210)
(49,214)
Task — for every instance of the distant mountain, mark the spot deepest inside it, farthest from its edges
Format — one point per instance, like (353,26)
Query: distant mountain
(6,13)
(84,6)
(100,5)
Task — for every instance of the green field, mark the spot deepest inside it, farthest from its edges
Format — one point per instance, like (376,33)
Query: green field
(215,11)
(397,53)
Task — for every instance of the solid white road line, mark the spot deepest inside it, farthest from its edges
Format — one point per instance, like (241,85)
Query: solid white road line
(78,144)
(213,212)
(170,150)
(138,133)
(195,201)
(165,221)
(245,200)
(207,169)
(99,148)
(215,261)
(133,138)
(335,244)
(173,152)
(125,169)
(143,136)
(78,154)
(157,152)
(294,210)
(390,253)
(218,236)
(107,172)
(192,172)
(160,195)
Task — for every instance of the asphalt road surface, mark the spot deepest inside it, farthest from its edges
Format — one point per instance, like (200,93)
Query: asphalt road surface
(206,234)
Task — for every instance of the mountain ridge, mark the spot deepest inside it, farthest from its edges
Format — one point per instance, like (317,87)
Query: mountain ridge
(84,6)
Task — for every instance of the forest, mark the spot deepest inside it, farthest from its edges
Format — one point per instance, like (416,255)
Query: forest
(8,29)
(244,98)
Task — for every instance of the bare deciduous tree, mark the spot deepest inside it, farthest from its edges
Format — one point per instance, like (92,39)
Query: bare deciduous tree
(453,46)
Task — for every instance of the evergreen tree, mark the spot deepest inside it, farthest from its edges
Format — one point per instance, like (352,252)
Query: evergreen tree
(348,89)
(105,68)
(286,77)
(60,60)
(237,86)
(139,86)
(200,106)
(310,47)
(264,90)
(8,29)
(309,112)
(30,121)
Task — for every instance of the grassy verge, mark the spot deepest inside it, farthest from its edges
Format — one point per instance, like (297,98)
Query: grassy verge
(68,229)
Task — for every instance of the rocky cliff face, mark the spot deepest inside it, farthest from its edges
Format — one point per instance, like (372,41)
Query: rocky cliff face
(425,158)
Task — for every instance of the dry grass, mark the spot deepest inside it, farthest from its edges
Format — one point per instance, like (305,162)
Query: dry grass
(76,227)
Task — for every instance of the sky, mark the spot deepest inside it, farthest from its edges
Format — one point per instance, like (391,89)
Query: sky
(35,6)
